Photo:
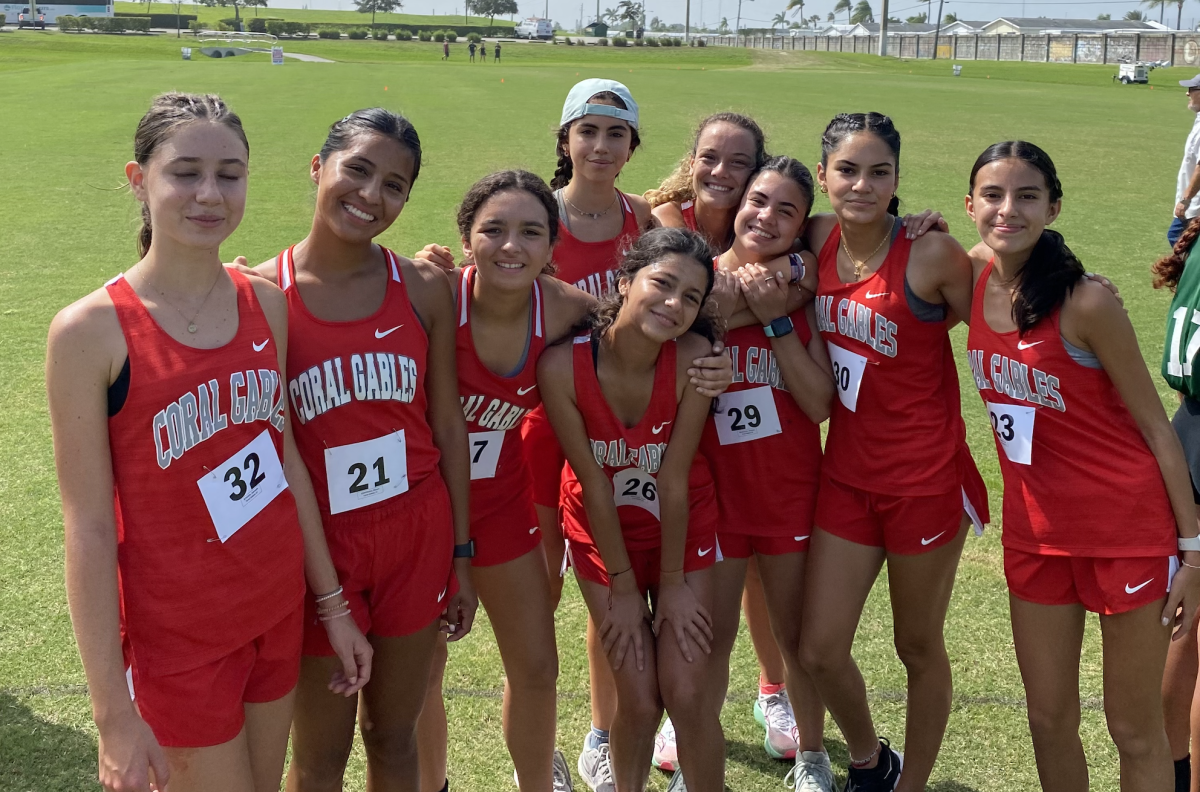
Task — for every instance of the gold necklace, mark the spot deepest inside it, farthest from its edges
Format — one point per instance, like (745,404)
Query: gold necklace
(592,215)
(859,266)
(191,328)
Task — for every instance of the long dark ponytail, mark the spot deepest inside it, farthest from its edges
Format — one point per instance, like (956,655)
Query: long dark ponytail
(1052,271)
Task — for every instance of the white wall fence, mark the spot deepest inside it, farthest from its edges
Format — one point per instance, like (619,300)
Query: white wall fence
(1181,49)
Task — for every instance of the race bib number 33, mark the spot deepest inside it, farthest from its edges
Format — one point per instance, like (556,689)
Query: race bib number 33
(243,485)
(363,474)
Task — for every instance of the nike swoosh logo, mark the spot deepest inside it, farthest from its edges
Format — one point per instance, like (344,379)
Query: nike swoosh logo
(386,333)
(1136,589)
(1027,344)
(659,428)
(523,391)
(932,540)
(709,550)
(801,538)
(532,531)
(871,296)
(442,595)
(259,347)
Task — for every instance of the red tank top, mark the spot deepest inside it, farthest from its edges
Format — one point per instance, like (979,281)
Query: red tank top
(764,452)
(494,407)
(895,428)
(1079,479)
(592,266)
(358,398)
(209,548)
(688,210)
(631,456)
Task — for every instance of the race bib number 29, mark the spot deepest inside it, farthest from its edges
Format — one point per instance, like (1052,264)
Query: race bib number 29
(746,415)
(363,474)
(243,485)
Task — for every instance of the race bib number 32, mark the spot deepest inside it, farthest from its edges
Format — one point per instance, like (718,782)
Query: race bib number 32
(746,415)
(363,474)
(243,485)
(633,487)
(848,368)
(1013,425)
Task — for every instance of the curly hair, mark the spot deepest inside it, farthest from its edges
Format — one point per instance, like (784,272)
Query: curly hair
(168,113)
(508,181)
(651,247)
(564,169)
(1169,269)
(677,187)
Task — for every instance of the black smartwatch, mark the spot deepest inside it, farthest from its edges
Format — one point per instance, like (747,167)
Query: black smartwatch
(465,550)
(779,328)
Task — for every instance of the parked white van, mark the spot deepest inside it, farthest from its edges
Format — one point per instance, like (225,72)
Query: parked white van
(535,28)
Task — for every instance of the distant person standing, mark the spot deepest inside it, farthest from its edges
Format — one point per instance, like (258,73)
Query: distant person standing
(445,50)
(471,51)
(483,52)
(497,59)
(1187,185)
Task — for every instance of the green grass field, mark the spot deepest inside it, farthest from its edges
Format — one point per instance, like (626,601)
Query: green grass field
(70,105)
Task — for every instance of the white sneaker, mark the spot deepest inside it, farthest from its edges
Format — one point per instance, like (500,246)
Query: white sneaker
(774,712)
(811,773)
(595,768)
(676,783)
(666,750)
(561,774)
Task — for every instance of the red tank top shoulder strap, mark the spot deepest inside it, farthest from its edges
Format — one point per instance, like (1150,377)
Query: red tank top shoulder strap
(664,377)
(285,268)
(829,249)
(250,313)
(978,289)
(463,302)
(898,252)
(539,314)
(393,263)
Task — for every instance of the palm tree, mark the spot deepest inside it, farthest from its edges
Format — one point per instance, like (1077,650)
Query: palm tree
(1161,5)
(779,20)
(830,17)
(1178,14)
(1135,16)
(814,19)
(862,13)
(948,18)
(842,5)
(798,5)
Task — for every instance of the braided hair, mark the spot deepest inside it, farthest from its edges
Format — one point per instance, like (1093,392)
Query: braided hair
(564,169)
(1169,269)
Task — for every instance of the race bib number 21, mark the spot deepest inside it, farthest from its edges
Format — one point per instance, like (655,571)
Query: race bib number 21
(363,474)
(243,485)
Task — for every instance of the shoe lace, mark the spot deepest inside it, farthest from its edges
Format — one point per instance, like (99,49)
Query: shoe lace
(777,712)
(603,765)
(808,777)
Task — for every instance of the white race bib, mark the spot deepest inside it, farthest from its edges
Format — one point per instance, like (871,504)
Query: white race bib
(746,415)
(848,368)
(1013,426)
(243,485)
(362,474)
(485,453)
(633,487)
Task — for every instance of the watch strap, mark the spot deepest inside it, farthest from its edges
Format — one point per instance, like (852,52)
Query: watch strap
(465,550)
(1189,543)
(779,327)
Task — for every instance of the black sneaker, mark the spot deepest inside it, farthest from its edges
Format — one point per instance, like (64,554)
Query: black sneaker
(883,777)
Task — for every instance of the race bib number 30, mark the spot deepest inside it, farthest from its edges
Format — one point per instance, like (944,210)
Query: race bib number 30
(243,485)
(746,415)
(848,368)
(633,487)
(362,474)
(1013,426)
(485,453)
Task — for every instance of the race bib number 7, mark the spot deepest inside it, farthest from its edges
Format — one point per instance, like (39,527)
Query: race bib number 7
(633,487)
(363,474)
(243,485)
(485,453)
(848,368)
(1013,425)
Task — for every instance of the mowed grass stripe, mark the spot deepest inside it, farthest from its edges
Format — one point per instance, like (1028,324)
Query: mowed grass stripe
(68,124)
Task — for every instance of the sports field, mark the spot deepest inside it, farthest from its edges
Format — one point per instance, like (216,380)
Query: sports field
(68,108)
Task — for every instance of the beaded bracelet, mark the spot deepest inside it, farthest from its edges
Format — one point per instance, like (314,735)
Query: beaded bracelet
(330,595)
(333,616)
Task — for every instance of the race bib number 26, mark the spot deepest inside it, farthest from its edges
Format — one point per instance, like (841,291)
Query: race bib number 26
(362,474)
(243,485)
(633,487)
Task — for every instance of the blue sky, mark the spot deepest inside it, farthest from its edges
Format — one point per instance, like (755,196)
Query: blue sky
(759,12)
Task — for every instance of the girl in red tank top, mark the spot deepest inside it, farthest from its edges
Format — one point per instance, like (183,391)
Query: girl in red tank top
(898,483)
(1079,428)
(186,542)
(763,443)
(638,501)
(373,387)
